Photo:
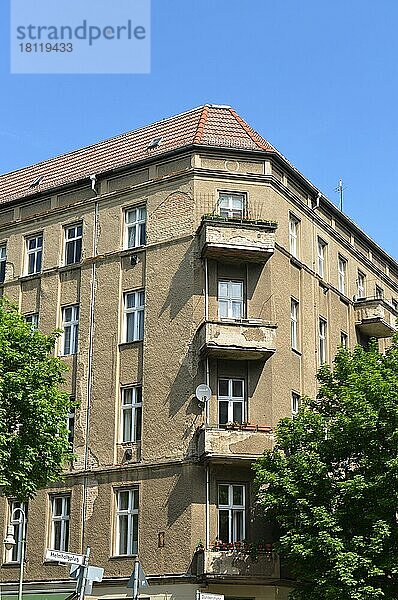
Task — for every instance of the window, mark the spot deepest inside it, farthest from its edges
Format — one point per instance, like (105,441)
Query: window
(34,250)
(394,304)
(126,522)
(73,244)
(134,316)
(16,519)
(342,267)
(231,205)
(131,414)
(230,299)
(60,516)
(321,250)
(322,340)
(344,339)
(70,426)
(379,292)
(294,314)
(230,401)
(231,513)
(70,325)
(33,319)
(135,227)
(294,224)
(296,402)
(3,259)
(361,283)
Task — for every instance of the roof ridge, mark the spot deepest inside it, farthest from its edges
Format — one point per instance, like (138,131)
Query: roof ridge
(201,124)
(103,141)
(250,132)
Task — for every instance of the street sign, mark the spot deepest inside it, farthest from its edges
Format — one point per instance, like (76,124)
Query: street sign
(207,596)
(64,557)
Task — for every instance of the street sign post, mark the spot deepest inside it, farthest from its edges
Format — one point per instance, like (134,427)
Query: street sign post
(64,557)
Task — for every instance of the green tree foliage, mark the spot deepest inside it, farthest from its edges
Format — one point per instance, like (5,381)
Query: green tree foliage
(331,482)
(33,409)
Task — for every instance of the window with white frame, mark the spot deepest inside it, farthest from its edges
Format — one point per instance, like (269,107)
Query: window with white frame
(73,244)
(322,340)
(231,205)
(294,225)
(343,339)
(33,319)
(70,325)
(34,252)
(131,417)
(16,519)
(342,268)
(231,512)
(379,292)
(135,227)
(60,518)
(126,522)
(3,260)
(230,299)
(134,316)
(321,252)
(296,402)
(231,401)
(361,285)
(294,321)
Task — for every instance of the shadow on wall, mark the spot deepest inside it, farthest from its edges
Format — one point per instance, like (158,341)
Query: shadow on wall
(182,283)
(180,496)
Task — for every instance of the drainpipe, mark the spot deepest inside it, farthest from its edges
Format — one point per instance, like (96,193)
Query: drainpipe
(207,507)
(90,360)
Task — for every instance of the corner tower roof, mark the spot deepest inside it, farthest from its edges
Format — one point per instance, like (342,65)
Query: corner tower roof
(209,125)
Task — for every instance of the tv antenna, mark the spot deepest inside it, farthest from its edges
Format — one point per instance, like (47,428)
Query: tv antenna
(340,188)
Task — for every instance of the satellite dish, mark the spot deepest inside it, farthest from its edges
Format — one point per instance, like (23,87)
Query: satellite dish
(203,392)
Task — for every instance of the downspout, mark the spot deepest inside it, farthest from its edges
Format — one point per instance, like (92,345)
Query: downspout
(90,360)
(206,319)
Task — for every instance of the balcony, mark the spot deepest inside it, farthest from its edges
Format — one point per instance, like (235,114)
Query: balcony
(246,339)
(234,442)
(374,317)
(224,238)
(236,566)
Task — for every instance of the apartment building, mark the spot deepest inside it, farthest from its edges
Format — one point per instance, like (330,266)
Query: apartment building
(187,252)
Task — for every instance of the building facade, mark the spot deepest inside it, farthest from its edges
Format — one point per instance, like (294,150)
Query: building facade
(187,252)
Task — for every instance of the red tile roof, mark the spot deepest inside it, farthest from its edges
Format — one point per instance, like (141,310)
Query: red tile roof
(209,125)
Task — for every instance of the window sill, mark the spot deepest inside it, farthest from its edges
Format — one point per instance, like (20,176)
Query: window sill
(71,267)
(30,276)
(12,565)
(128,251)
(124,345)
(296,262)
(123,556)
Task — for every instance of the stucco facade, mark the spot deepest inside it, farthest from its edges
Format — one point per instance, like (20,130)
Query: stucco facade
(186,451)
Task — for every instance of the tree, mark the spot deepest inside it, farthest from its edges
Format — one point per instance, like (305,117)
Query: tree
(331,482)
(33,410)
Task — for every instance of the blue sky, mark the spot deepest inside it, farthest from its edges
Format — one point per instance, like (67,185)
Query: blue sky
(317,79)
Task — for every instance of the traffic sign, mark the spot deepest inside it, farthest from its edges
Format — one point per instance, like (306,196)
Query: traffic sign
(207,596)
(64,557)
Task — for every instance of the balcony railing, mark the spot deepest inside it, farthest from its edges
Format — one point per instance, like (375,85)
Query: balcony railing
(375,317)
(238,340)
(235,565)
(239,239)
(233,441)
